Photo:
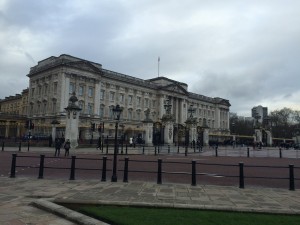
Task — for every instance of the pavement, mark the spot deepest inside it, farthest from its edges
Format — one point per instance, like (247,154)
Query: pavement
(28,201)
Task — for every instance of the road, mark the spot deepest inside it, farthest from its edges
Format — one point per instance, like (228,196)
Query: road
(262,168)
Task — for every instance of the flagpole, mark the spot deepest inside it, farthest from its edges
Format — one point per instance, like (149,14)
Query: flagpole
(158,66)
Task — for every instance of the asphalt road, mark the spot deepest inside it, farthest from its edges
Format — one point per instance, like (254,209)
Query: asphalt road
(262,168)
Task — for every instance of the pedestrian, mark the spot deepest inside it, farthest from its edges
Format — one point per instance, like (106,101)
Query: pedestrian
(99,143)
(57,146)
(67,147)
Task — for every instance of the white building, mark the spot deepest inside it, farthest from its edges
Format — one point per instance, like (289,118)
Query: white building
(53,80)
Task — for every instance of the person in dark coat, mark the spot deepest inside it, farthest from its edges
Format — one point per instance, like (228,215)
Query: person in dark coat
(67,147)
(58,144)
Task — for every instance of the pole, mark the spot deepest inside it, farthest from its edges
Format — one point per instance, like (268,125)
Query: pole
(114,177)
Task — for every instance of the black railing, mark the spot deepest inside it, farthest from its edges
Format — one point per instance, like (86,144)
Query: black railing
(239,169)
(41,167)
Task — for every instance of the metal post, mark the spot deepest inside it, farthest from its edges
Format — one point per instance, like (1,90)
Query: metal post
(248,152)
(159,162)
(13,166)
(20,145)
(72,174)
(216,148)
(292,178)
(193,173)
(178,148)
(106,145)
(280,153)
(125,177)
(241,166)
(41,169)
(2,146)
(114,177)
(126,149)
(155,152)
(186,150)
(103,177)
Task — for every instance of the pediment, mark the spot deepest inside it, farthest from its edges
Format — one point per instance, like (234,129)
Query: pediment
(84,65)
(176,88)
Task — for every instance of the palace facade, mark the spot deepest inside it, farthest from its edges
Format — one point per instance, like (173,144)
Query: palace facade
(53,80)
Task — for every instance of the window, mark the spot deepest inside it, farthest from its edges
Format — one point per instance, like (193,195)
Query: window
(54,107)
(111,114)
(55,87)
(138,115)
(32,92)
(112,96)
(146,102)
(40,90)
(121,98)
(71,88)
(102,94)
(81,105)
(80,91)
(130,99)
(138,101)
(101,111)
(91,91)
(90,108)
(153,103)
(129,114)
(46,90)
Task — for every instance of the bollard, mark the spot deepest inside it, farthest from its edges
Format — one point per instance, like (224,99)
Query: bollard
(20,145)
(13,166)
(280,153)
(102,146)
(178,148)
(103,177)
(186,150)
(41,169)
(125,177)
(248,152)
(241,166)
(216,148)
(169,149)
(292,178)
(2,146)
(72,174)
(28,145)
(155,152)
(107,148)
(193,173)
(126,150)
(159,162)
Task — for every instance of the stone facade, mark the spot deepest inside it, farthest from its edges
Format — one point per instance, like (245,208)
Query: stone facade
(53,80)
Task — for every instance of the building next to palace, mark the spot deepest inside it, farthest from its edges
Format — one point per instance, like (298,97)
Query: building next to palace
(54,80)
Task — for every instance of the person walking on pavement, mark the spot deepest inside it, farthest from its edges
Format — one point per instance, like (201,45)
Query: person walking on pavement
(67,147)
(57,146)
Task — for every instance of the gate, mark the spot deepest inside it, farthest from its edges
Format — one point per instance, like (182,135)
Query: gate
(158,133)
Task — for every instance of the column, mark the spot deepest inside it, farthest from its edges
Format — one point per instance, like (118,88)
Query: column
(148,127)
(168,132)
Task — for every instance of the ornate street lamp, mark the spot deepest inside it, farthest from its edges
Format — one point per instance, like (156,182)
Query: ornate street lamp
(117,110)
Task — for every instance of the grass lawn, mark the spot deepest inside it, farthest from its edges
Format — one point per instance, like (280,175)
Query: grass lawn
(167,216)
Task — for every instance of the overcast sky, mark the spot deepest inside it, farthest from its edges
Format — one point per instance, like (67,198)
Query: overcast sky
(246,51)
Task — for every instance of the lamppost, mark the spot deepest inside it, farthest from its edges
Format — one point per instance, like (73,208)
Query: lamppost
(117,110)
(122,137)
(189,123)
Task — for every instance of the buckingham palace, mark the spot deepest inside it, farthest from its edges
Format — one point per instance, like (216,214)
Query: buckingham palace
(54,80)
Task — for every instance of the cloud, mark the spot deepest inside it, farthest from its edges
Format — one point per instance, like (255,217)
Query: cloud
(246,52)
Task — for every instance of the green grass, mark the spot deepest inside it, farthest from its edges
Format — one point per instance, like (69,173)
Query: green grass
(166,216)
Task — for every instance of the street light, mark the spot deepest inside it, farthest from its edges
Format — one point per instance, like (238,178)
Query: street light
(117,110)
